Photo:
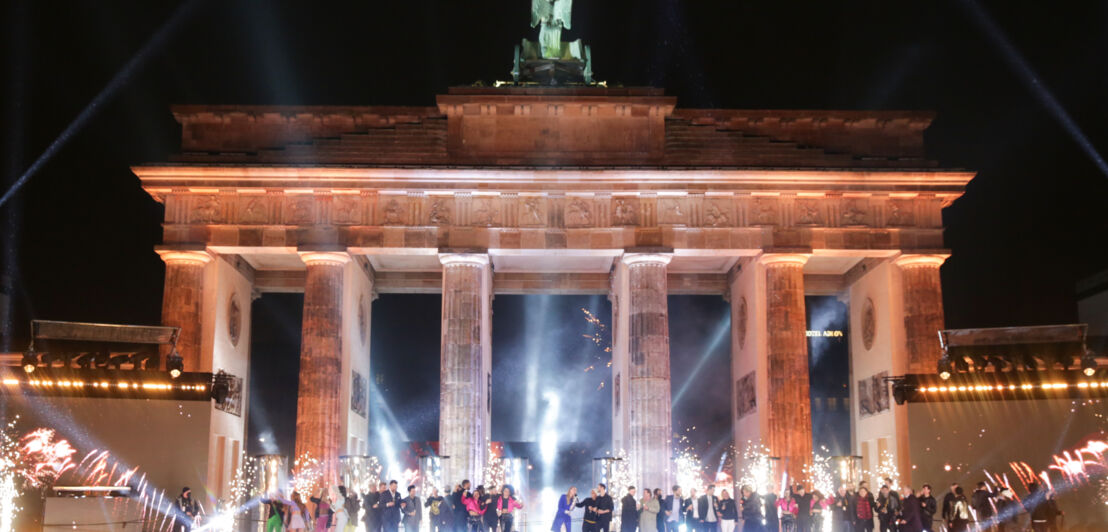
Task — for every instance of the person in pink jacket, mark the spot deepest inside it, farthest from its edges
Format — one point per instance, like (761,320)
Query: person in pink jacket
(506,506)
(788,511)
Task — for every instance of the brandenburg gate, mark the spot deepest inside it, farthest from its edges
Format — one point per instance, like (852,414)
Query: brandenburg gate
(574,190)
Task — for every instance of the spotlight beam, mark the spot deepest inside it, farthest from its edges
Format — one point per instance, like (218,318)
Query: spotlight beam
(1027,74)
(133,65)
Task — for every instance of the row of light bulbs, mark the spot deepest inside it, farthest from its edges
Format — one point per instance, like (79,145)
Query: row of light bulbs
(1013,387)
(104,385)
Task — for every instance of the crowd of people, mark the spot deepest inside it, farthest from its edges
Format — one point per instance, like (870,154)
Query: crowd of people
(795,509)
(384,509)
(851,509)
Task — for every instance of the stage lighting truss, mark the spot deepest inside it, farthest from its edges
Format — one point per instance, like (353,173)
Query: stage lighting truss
(100,346)
(1009,351)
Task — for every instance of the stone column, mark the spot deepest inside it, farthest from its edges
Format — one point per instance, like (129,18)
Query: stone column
(923,310)
(465,410)
(318,425)
(183,302)
(789,423)
(648,387)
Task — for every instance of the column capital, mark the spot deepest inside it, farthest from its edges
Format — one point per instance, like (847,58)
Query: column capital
(631,259)
(182,256)
(463,259)
(910,260)
(770,259)
(335,258)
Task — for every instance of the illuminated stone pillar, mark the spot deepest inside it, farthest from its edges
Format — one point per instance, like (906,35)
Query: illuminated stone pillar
(318,426)
(643,421)
(183,302)
(923,310)
(466,362)
(789,412)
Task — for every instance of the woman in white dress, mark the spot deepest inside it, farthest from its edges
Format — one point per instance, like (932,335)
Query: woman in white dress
(338,505)
(296,514)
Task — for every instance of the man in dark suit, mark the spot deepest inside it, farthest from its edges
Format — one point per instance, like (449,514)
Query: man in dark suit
(909,520)
(604,507)
(461,518)
(371,503)
(707,510)
(672,510)
(629,518)
(390,513)
(773,523)
(412,510)
(688,511)
(803,507)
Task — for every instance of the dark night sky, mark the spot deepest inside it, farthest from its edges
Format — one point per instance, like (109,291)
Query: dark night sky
(79,238)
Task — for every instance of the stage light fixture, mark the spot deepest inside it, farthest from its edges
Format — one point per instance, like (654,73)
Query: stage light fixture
(946,367)
(30,361)
(900,395)
(1088,364)
(999,364)
(221,388)
(174,364)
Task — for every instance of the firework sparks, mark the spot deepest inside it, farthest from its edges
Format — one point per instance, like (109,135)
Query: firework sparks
(690,471)
(48,458)
(309,473)
(9,472)
(758,469)
(496,473)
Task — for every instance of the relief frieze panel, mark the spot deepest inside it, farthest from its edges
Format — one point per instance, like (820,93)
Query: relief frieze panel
(440,211)
(347,209)
(900,213)
(394,210)
(532,211)
(718,212)
(673,211)
(602,209)
(809,211)
(765,211)
(484,212)
(625,211)
(854,212)
(254,209)
(207,209)
(578,212)
(300,209)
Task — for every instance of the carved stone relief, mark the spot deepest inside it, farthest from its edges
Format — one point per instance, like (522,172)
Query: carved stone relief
(394,212)
(346,210)
(578,214)
(854,212)
(206,210)
(301,210)
(740,321)
(625,212)
(808,212)
(763,211)
(440,211)
(869,324)
(234,320)
(253,210)
(363,319)
(715,215)
(484,212)
(672,211)
(900,213)
(533,213)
